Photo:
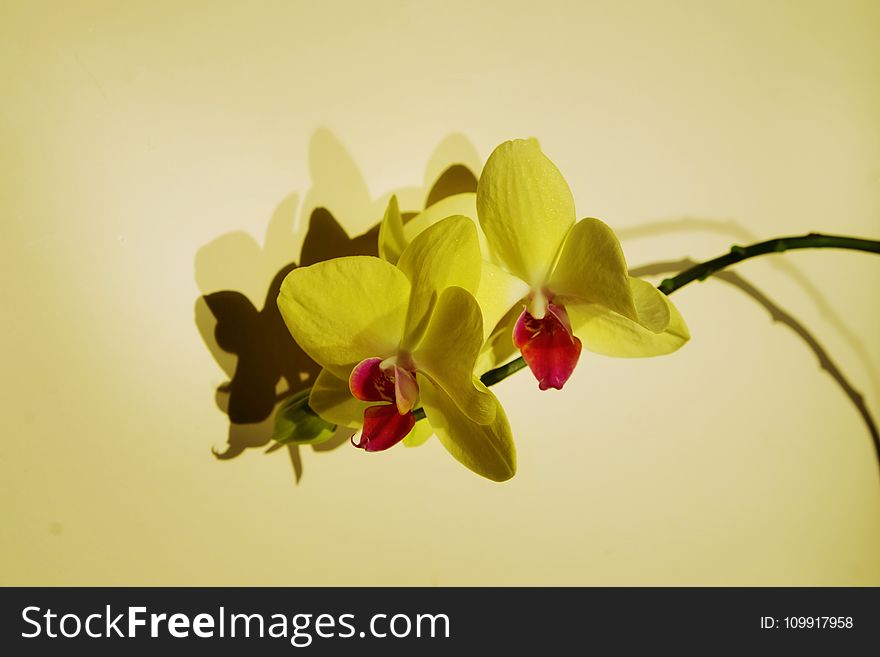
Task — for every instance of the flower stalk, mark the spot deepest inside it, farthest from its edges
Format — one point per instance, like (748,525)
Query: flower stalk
(737,254)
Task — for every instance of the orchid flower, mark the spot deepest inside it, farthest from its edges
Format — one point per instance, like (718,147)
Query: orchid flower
(580,291)
(391,338)
(551,285)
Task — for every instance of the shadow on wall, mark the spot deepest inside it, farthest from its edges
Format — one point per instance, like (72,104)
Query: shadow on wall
(777,314)
(252,345)
(264,365)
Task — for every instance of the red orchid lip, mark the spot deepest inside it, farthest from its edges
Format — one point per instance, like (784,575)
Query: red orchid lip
(384,427)
(385,424)
(548,346)
(370,382)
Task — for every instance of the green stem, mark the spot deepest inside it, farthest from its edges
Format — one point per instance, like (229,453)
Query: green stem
(704,270)
(500,373)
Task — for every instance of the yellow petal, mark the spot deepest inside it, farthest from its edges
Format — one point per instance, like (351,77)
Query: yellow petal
(449,350)
(443,255)
(498,348)
(487,449)
(525,209)
(496,291)
(332,400)
(660,329)
(591,267)
(653,308)
(345,310)
(419,434)
(464,205)
(391,239)
(496,294)
(395,235)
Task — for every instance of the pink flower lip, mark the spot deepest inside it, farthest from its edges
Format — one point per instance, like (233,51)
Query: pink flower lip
(396,388)
(384,427)
(369,382)
(548,346)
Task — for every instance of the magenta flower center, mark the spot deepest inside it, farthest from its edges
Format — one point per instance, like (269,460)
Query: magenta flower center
(548,345)
(396,390)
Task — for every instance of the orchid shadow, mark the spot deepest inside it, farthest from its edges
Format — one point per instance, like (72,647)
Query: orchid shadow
(237,316)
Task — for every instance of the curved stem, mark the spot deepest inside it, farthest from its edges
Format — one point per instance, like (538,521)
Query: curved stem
(704,270)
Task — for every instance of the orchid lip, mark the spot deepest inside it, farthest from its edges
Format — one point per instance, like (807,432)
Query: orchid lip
(396,389)
(383,428)
(370,382)
(548,345)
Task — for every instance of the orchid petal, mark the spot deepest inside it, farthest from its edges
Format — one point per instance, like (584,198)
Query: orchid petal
(464,205)
(443,255)
(384,427)
(525,209)
(345,310)
(395,234)
(497,290)
(449,350)
(591,267)
(496,294)
(654,309)
(487,449)
(391,237)
(331,399)
(660,329)
(498,348)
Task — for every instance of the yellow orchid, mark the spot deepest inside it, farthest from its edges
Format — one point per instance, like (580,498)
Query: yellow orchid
(392,337)
(580,289)
(562,283)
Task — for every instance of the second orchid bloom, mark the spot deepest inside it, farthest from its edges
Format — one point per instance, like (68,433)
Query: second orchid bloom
(394,338)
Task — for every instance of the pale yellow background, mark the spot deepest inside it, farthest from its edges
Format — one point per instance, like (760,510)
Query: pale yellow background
(133,134)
